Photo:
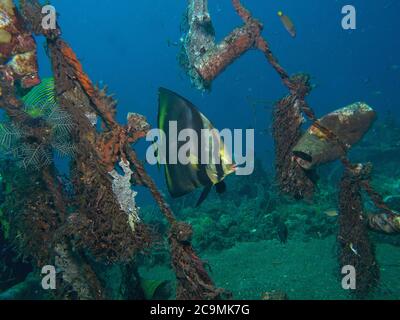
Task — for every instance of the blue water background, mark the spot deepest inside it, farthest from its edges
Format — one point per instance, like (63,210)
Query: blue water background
(124,44)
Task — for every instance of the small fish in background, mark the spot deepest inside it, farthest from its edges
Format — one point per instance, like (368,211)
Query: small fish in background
(288,24)
(377,93)
(388,5)
(171,43)
(366,80)
(282,231)
(331,213)
(353,249)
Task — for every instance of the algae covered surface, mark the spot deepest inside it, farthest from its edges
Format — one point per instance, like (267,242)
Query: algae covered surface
(238,238)
(304,270)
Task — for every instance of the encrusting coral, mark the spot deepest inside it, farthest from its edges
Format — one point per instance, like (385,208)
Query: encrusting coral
(287,123)
(102,226)
(99,222)
(17,47)
(203,59)
(122,188)
(48,129)
(355,247)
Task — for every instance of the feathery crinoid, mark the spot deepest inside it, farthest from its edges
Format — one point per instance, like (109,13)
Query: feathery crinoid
(9,135)
(35,156)
(54,123)
(59,120)
(40,97)
(41,102)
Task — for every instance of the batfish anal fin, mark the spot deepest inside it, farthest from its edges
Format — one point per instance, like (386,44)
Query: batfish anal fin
(204,195)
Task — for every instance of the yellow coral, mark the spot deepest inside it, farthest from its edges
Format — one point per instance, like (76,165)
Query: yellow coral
(5,37)
(7,5)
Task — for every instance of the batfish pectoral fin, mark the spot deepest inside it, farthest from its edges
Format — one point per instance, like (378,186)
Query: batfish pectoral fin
(204,195)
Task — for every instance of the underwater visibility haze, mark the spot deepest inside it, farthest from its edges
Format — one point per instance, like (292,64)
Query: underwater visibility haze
(294,194)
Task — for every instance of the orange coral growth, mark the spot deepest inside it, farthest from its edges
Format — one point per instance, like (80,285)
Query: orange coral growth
(241,11)
(73,61)
(102,106)
(109,148)
(111,145)
(137,127)
(237,43)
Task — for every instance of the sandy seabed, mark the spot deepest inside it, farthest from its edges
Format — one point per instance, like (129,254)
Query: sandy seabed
(303,270)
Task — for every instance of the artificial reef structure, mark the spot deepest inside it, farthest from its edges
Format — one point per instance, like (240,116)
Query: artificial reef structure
(299,153)
(91,219)
(97,222)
